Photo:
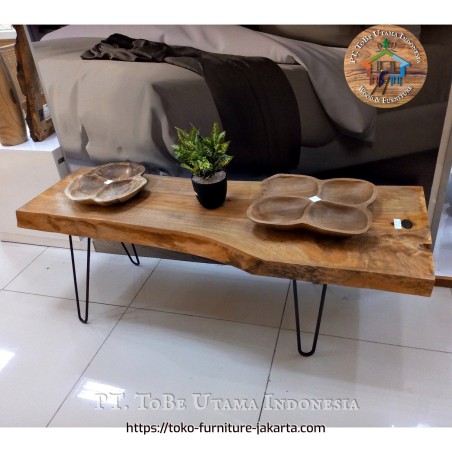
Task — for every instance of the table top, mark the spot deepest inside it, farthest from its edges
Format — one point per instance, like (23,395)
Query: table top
(166,214)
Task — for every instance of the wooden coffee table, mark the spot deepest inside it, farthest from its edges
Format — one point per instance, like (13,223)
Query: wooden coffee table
(167,215)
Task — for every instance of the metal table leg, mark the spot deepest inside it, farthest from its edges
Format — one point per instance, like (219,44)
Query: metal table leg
(88,261)
(74,274)
(137,259)
(297,319)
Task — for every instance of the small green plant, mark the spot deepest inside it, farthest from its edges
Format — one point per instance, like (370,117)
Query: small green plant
(203,156)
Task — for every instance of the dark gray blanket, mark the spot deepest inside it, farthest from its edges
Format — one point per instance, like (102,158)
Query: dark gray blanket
(254,99)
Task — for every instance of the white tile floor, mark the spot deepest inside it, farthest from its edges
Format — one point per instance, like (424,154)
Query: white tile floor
(212,337)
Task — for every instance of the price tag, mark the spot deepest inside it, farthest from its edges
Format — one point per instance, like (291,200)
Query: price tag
(397,223)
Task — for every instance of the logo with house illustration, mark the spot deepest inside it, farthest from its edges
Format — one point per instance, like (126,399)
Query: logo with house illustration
(385,66)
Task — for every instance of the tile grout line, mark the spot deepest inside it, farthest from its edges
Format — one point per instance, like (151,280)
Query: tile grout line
(88,364)
(377,342)
(5,289)
(64,298)
(202,317)
(274,353)
(100,346)
(126,308)
(15,277)
(86,367)
(144,283)
(70,300)
(225,320)
(189,315)
(73,299)
(371,341)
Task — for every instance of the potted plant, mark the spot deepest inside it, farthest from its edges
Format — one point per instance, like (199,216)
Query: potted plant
(206,158)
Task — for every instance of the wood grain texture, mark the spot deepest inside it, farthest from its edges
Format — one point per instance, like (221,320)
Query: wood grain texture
(166,214)
(443,281)
(40,126)
(12,123)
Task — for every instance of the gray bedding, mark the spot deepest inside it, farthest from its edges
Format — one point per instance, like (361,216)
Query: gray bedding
(111,111)
(265,136)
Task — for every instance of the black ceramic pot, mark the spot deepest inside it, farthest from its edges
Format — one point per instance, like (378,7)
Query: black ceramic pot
(211,195)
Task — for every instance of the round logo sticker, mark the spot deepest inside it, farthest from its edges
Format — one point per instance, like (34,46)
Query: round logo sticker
(385,66)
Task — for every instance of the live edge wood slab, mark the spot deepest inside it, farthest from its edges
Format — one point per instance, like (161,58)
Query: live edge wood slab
(167,215)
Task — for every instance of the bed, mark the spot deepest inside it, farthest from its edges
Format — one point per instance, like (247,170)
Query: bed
(112,110)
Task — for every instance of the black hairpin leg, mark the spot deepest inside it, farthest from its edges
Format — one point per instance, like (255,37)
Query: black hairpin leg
(297,319)
(137,261)
(88,259)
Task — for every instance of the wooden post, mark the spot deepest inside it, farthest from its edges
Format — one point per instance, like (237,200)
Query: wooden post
(39,123)
(12,123)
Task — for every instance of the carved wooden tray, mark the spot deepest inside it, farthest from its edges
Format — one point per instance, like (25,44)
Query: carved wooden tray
(107,184)
(292,212)
(355,192)
(332,206)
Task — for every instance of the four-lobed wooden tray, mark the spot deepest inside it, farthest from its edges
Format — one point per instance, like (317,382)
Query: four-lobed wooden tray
(107,184)
(332,206)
